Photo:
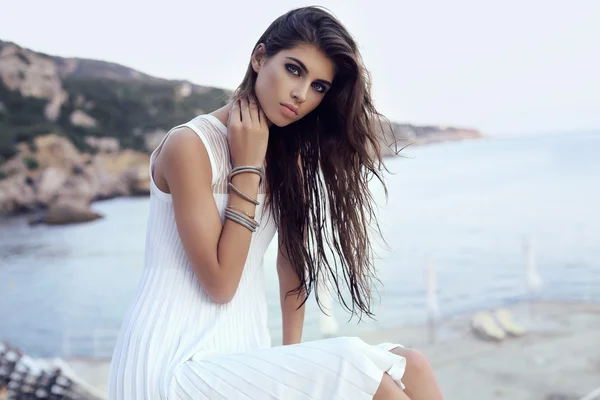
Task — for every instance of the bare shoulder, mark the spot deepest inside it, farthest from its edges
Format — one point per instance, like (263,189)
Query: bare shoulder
(183,156)
(181,141)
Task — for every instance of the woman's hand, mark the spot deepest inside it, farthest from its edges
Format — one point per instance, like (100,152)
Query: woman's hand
(248,133)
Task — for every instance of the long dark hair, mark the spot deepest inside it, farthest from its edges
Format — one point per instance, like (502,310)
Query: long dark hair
(325,197)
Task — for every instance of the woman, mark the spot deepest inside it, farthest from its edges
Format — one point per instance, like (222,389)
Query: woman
(297,141)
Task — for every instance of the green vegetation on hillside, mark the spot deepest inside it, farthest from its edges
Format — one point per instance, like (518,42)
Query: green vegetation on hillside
(21,119)
(123,109)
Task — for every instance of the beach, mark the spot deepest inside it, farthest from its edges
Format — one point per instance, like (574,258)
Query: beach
(559,357)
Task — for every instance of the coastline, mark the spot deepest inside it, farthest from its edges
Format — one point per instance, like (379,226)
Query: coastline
(66,182)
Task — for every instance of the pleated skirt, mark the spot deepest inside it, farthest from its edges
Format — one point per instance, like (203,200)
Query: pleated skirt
(337,368)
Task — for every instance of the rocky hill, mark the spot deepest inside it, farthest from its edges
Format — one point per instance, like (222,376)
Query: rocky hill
(78,98)
(75,130)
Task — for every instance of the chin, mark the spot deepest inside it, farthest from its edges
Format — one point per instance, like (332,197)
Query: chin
(280,124)
(277,119)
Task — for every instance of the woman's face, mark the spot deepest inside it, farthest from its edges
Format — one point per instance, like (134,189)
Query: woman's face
(292,83)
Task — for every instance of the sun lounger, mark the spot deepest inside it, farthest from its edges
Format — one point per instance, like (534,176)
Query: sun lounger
(485,326)
(507,323)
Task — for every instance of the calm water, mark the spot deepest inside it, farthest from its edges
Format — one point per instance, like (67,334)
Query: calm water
(467,206)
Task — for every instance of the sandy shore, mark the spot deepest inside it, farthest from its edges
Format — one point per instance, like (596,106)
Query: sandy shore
(559,358)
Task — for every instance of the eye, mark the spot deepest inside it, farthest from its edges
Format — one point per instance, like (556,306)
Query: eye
(292,69)
(319,87)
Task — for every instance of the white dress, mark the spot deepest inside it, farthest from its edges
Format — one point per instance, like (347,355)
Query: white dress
(175,343)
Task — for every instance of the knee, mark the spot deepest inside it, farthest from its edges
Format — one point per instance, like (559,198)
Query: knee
(415,360)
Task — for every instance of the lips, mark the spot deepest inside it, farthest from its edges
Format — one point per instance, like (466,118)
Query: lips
(291,107)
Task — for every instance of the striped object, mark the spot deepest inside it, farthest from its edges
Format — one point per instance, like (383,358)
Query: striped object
(26,378)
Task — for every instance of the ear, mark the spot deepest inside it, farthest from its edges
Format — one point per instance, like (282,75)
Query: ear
(258,57)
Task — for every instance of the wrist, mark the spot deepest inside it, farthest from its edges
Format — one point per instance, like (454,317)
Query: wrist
(292,339)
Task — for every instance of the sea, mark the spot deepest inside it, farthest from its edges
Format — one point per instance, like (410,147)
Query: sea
(468,225)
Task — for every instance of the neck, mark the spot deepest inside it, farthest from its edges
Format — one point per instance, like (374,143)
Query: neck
(222,114)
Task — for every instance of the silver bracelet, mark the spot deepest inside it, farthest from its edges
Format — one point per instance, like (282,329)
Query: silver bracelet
(243,169)
(242,195)
(241,221)
(251,221)
(238,219)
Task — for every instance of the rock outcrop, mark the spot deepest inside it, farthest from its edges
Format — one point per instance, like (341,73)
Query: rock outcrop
(33,75)
(402,135)
(64,182)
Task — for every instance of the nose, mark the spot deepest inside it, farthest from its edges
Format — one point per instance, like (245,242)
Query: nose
(300,93)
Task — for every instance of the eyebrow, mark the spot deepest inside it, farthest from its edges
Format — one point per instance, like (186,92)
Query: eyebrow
(301,64)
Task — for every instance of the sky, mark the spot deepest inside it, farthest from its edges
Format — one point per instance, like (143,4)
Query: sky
(507,67)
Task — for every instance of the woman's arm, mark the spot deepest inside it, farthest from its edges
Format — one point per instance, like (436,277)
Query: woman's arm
(292,317)
(217,252)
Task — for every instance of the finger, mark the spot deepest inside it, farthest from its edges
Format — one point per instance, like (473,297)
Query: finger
(253,110)
(245,111)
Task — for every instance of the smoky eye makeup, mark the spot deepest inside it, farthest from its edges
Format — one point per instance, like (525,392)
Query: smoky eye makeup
(319,87)
(297,71)
(293,69)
